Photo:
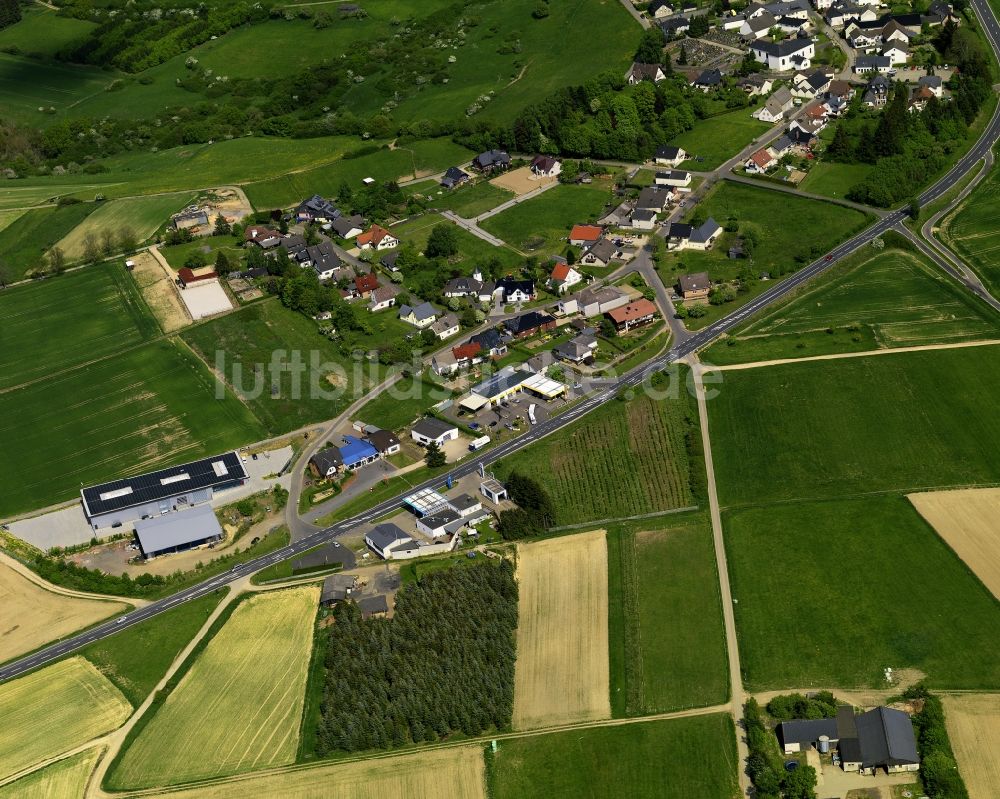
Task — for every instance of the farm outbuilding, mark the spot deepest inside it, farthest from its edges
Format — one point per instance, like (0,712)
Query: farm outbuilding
(163,491)
(176,532)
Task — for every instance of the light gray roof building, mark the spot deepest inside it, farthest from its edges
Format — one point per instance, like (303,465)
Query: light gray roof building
(173,532)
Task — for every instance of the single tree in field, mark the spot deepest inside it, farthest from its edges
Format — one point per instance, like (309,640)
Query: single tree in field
(91,248)
(222,226)
(108,241)
(434,457)
(443,241)
(57,260)
(127,241)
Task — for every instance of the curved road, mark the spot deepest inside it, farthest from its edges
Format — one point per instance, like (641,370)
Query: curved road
(629,381)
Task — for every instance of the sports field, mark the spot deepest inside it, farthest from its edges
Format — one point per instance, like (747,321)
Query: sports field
(672,640)
(251,339)
(239,706)
(899,422)
(540,225)
(889,299)
(831,593)
(561,675)
(456,771)
(23,243)
(33,616)
(973,232)
(65,778)
(138,410)
(719,138)
(54,710)
(673,759)
(969,522)
(52,326)
(625,458)
(973,724)
(142,215)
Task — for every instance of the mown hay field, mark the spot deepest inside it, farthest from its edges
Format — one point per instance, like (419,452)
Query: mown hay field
(33,616)
(561,675)
(142,215)
(54,325)
(973,724)
(143,409)
(624,458)
(891,299)
(239,707)
(64,778)
(913,421)
(54,710)
(969,522)
(453,772)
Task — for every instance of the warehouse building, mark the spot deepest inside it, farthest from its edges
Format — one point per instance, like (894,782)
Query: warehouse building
(156,493)
(175,532)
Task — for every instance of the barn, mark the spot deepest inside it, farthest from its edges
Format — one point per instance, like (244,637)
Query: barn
(156,493)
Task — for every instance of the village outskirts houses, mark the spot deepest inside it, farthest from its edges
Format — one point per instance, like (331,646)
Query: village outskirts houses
(668,155)
(776,106)
(591,302)
(545,166)
(760,162)
(377,238)
(563,278)
(602,253)
(687,237)
(585,235)
(420,316)
(382,297)
(695,286)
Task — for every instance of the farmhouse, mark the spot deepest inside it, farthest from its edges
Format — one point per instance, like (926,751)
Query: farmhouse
(454,177)
(668,155)
(433,431)
(695,286)
(492,161)
(176,532)
(162,491)
(583,235)
(378,238)
(781,56)
(545,166)
(420,316)
(879,740)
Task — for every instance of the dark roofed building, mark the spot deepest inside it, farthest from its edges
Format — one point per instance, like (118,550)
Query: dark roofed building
(454,177)
(885,741)
(694,286)
(491,161)
(709,79)
(326,462)
(162,491)
(316,207)
(373,606)
(529,323)
(337,588)
(384,441)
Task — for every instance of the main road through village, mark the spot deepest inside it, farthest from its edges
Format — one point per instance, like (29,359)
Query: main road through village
(629,381)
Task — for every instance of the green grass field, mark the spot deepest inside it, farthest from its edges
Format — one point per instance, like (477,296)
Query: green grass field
(23,243)
(144,215)
(834,180)
(53,710)
(262,331)
(405,162)
(27,85)
(57,324)
(829,429)
(405,401)
(540,225)
(42,32)
(209,246)
(624,458)
(136,659)
(876,301)
(472,250)
(239,706)
(668,622)
(675,759)
(467,201)
(973,232)
(139,410)
(831,593)
(719,138)
(66,777)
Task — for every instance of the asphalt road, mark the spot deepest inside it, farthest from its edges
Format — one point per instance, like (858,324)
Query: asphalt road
(628,381)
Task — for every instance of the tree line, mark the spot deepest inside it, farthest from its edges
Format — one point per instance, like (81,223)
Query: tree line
(443,664)
(938,770)
(535,511)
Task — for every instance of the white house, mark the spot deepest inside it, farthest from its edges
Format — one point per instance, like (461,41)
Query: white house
(896,52)
(674,177)
(934,83)
(776,107)
(643,219)
(668,155)
(782,56)
(760,162)
(446,327)
(377,238)
(601,253)
(545,166)
(687,237)
(637,73)
(433,431)
(381,298)
(388,541)
(563,278)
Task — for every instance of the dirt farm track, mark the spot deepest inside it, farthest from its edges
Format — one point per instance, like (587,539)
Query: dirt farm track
(562,639)
(969,522)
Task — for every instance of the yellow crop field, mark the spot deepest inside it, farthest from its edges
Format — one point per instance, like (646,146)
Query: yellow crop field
(54,710)
(65,778)
(973,723)
(969,522)
(453,772)
(239,707)
(33,616)
(562,670)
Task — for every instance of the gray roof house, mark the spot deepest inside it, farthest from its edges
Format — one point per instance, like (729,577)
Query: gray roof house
(421,315)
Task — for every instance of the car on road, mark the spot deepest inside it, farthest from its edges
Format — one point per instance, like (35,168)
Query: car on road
(474,425)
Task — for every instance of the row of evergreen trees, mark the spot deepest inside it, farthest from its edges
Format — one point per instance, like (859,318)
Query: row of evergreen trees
(444,663)
(535,511)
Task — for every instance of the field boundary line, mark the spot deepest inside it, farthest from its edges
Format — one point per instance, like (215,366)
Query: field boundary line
(636,517)
(955,345)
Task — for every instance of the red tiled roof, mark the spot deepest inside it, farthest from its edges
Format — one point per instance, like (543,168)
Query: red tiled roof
(560,271)
(185,274)
(373,235)
(634,310)
(762,158)
(468,350)
(366,282)
(258,233)
(585,233)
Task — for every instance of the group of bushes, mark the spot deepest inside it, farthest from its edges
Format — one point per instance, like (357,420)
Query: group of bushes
(535,511)
(765,765)
(938,769)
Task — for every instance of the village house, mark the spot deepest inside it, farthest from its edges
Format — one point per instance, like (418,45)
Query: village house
(316,209)
(694,286)
(674,178)
(756,85)
(659,9)
(514,290)
(364,285)
(593,301)
(454,177)
(674,26)
(757,27)
(377,238)
(734,22)
(347,227)
(898,54)
(563,278)
(421,316)
(601,253)
(430,430)
(810,86)
(668,155)
(637,73)
(545,166)
(933,83)
(643,219)
(776,106)
(529,324)
(384,441)
(388,260)
(786,55)
(459,357)
(386,540)
(760,162)
(687,237)
(867,64)
(382,297)
(635,314)
(708,80)
(492,161)
(263,237)
(322,258)
(585,235)
(658,197)
(445,327)
(490,342)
